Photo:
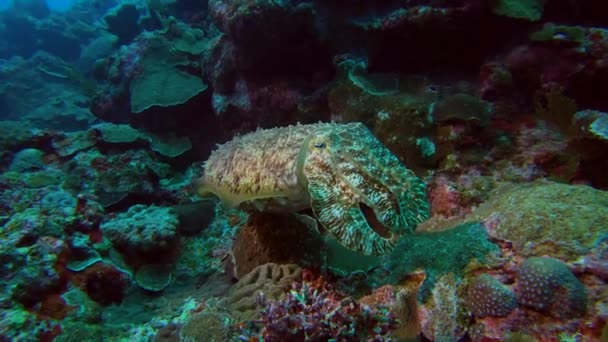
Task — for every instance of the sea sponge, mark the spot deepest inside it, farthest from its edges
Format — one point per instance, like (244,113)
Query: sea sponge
(547,285)
(486,296)
(277,238)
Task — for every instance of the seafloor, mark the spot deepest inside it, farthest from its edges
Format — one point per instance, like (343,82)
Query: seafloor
(109,109)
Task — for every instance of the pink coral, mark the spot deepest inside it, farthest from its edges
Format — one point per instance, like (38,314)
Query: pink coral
(314,311)
(444,198)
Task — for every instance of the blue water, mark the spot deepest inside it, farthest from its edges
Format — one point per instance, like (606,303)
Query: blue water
(59,5)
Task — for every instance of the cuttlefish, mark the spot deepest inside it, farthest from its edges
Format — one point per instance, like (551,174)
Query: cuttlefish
(357,189)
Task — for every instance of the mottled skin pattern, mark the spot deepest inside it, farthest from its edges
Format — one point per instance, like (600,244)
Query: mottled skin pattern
(357,189)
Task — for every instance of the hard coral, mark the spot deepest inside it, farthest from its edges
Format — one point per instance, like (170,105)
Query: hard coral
(270,279)
(205,326)
(486,296)
(547,285)
(102,283)
(144,232)
(314,311)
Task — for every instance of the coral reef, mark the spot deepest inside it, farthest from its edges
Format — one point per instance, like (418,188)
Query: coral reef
(495,231)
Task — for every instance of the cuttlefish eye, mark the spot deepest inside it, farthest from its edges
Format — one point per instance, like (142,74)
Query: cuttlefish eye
(319,144)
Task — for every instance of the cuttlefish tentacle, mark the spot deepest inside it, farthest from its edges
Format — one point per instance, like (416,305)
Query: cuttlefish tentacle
(358,190)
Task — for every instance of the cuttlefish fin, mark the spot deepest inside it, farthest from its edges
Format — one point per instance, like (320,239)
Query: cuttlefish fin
(206,190)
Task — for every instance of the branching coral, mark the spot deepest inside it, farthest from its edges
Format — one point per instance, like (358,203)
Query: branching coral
(314,311)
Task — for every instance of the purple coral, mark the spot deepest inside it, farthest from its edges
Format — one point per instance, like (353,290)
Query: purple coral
(312,310)
(486,296)
(547,285)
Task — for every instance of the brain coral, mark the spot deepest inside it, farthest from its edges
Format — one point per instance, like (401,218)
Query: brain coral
(486,296)
(547,285)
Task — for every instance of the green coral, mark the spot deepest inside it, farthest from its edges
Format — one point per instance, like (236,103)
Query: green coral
(531,10)
(440,253)
(552,31)
(153,277)
(163,81)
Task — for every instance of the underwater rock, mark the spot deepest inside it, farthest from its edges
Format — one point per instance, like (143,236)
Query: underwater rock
(565,57)
(59,99)
(254,83)
(253,26)
(96,50)
(244,100)
(68,144)
(394,107)
(168,333)
(123,22)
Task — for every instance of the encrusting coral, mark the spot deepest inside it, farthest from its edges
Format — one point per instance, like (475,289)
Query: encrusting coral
(356,187)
